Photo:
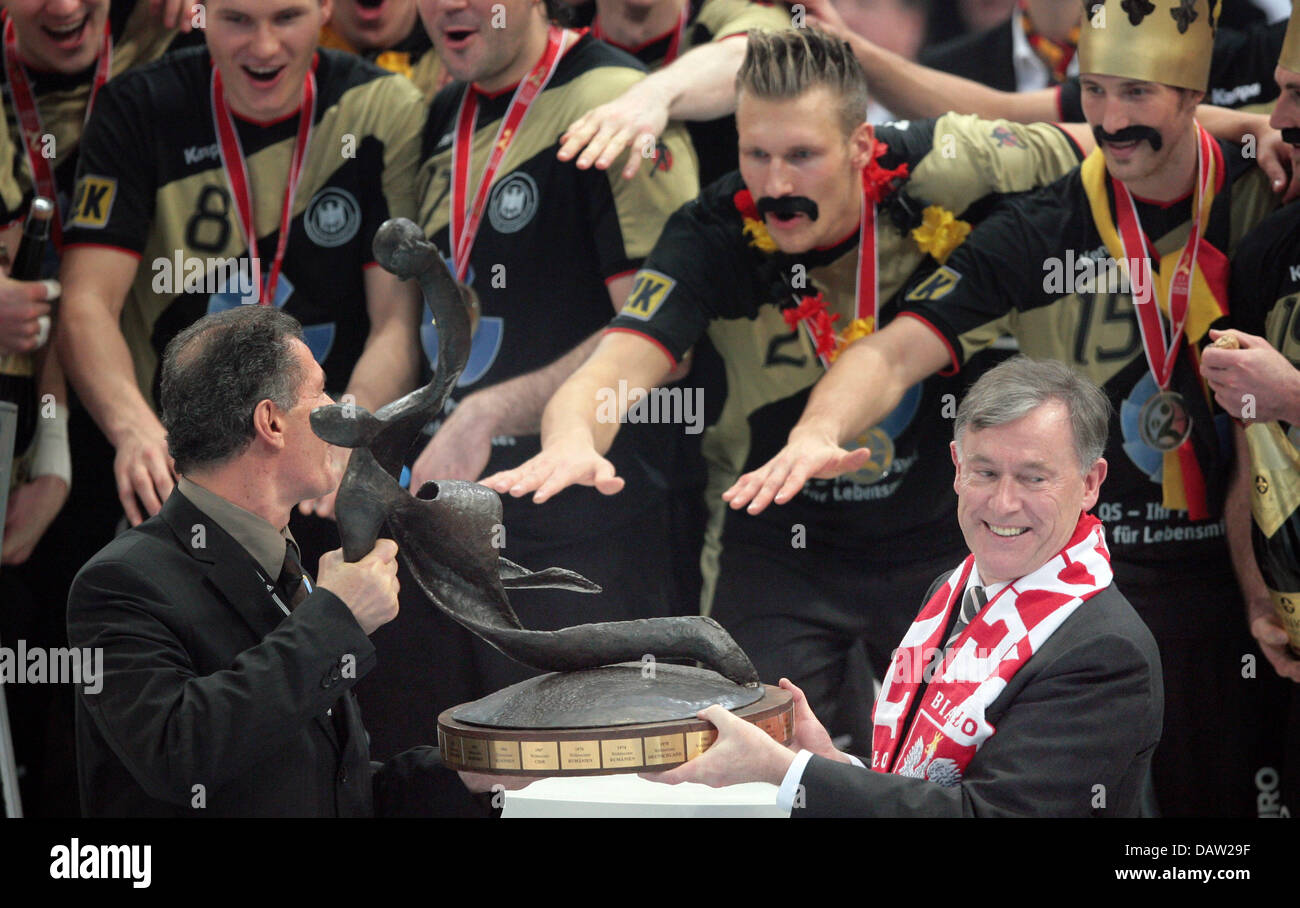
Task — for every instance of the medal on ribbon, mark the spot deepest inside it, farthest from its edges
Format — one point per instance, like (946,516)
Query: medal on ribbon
(466,214)
(235,166)
(1190,290)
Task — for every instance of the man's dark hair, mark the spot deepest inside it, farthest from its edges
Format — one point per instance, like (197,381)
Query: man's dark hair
(216,372)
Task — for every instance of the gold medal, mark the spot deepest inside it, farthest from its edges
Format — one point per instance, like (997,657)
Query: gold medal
(1163,422)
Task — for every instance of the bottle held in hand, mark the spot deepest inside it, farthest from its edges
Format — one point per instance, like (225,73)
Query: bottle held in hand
(36,238)
(18,370)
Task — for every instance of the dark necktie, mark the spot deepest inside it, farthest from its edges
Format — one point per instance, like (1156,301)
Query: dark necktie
(971,603)
(291,576)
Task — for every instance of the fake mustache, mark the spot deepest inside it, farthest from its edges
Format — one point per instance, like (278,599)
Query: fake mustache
(1129,134)
(1291,135)
(787,205)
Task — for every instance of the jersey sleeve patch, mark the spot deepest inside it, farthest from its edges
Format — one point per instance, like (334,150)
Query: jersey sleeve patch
(935,287)
(94,202)
(649,290)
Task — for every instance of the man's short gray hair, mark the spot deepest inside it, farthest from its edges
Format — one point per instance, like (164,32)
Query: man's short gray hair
(1012,389)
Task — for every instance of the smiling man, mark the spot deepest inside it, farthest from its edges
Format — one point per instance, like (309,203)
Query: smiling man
(816,225)
(1027,685)
(58,53)
(252,170)
(1158,198)
(549,251)
(55,54)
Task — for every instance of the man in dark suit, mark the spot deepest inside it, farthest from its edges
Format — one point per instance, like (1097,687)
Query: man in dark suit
(227,672)
(1027,685)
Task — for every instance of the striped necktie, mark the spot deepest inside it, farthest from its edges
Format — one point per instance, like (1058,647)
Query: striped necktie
(291,576)
(971,603)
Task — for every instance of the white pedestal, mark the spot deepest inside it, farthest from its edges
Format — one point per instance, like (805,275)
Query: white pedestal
(631,796)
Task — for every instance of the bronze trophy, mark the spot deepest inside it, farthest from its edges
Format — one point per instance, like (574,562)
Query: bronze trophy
(607,704)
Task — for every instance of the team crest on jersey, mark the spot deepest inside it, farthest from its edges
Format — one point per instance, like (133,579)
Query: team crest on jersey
(94,202)
(513,203)
(648,293)
(333,217)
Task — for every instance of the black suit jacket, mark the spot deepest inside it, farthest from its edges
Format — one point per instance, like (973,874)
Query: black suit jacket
(214,703)
(1075,731)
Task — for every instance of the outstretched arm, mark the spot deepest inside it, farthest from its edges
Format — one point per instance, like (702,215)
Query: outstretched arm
(461,447)
(582,419)
(699,86)
(1258,139)
(866,382)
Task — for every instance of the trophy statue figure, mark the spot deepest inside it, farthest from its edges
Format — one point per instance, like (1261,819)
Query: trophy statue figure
(609,704)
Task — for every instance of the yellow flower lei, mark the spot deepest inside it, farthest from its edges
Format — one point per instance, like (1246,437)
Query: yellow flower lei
(759,238)
(857,329)
(940,232)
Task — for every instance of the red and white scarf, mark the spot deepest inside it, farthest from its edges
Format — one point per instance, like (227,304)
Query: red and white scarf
(949,725)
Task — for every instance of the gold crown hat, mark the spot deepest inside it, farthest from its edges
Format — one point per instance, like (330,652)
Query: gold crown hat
(1290,58)
(1166,41)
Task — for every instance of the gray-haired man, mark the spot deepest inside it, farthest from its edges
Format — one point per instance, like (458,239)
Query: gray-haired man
(1027,685)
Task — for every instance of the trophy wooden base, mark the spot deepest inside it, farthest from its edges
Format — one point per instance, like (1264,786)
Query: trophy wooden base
(600,749)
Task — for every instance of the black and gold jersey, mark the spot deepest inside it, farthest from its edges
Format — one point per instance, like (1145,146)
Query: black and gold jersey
(1266,282)
(151,183)
(412,57)
(138,37)
(704,278)
(713,20)
(1039,266)
(551,237)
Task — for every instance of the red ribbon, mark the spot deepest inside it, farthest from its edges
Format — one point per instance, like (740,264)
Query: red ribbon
(464,221)
(877,182)
(1162,352)
(744,203)
(29,115)
(241,187)
(811,311)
